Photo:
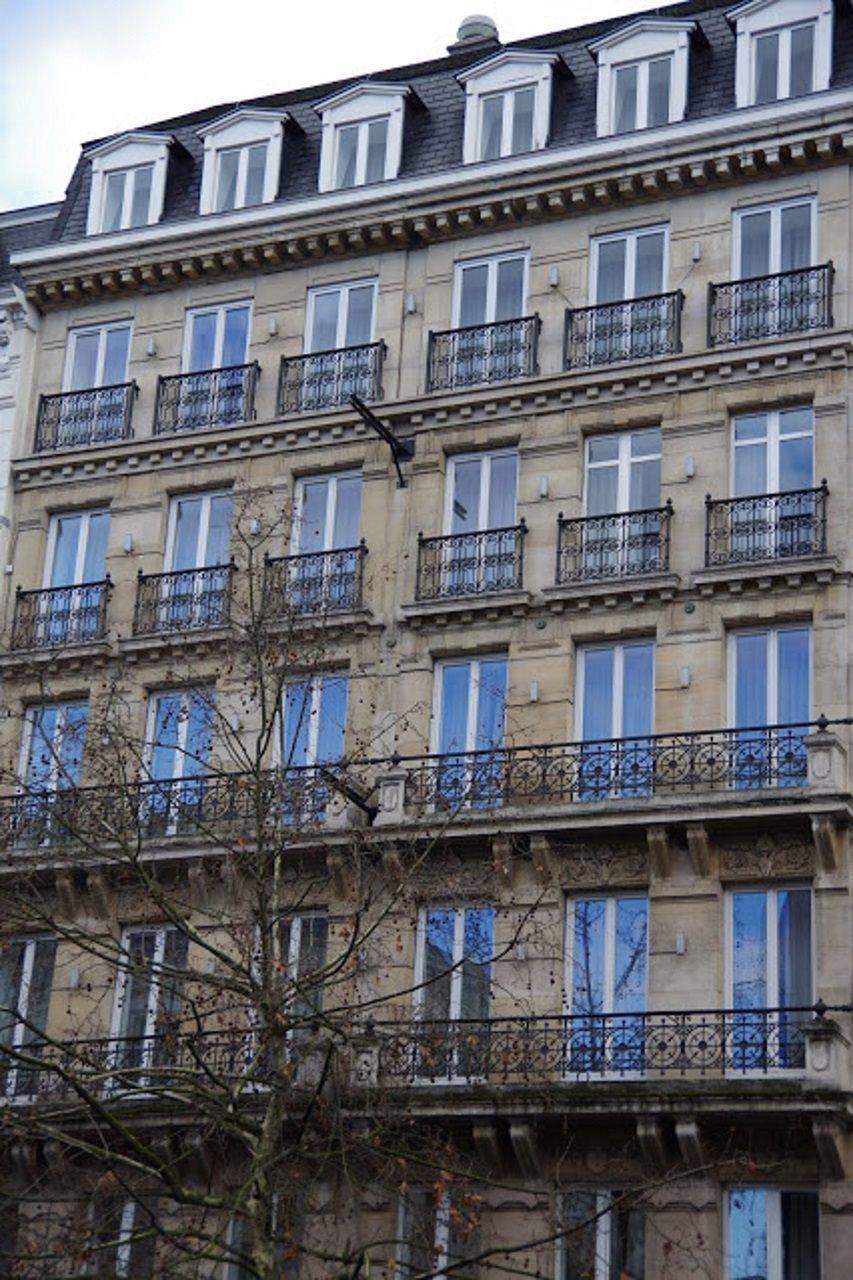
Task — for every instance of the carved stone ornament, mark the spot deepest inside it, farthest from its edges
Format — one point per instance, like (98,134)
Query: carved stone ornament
(601,864)
(767,856)
(448,875)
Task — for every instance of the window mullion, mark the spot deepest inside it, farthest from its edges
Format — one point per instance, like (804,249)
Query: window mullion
(23,1001)
(473,705)
(156,977)
(773,1209)
(294,948)
(219,337)
(772,960)
(623,472)
(772,677)
(643,93)
(783,71)
(773,446)
(315,711)
(618,688)
(331,510)
(342,315)
(458,960)
(602,1235)
(609,975)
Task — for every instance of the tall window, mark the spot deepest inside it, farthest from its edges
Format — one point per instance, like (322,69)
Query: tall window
(96,369)
(180,732)
(436,1231)
(641,94)
(341,316)
(325,573)
(774,247)
(773,1234)
(361,152)
(147,1001)
(629,268)
(769,686)
(74,575)
(470,706)
(616,713)
(217,337)
(605,1237)
(506,122)
(773,477)
(480,514)
(127,198)
(784,62)
(240,176)
(607,968)
(313,729)
(194,592)
(452,990)
(125,1239)
(623,476)
(304,938)
(54,740)
(26,979)
(489,292)
(97,357)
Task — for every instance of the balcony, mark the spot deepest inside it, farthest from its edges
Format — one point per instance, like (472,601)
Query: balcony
(610,548)
(462,565)
(315,583)
(327,379)
(771,306)
(483,353)
(186,600)
(773,526)
(636,329)
(99,415)
(210,398)
(60,616)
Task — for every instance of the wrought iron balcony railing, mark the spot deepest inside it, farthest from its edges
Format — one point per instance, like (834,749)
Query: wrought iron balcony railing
(327,379)
(61,615)
(608,548)
(314,583)
(209,398)
(767,526)
(470,564)
(483,353)
(185,600)
(770,306)
(98,415)
(635,329)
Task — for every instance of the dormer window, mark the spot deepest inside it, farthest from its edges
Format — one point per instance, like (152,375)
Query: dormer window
(362,135)
(242,160)
(642,75)
(784,49)
(128,182)
(507,104)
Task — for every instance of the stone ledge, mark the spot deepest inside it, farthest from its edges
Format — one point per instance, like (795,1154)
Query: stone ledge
(763,575)
(582,595)
(484,608)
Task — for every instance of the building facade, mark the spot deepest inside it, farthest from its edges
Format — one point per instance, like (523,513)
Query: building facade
(566,615)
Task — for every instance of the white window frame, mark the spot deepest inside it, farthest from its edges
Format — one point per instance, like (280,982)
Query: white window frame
(29,943)
(641,42)
(179,764)
(610,900)
(239,130)
(603,1229)
(82,543)
(505,72)
(630,237)
(315,681)
(332,478)
(771,920)
(473,662)
(27,739)
(203,524)
(772,440)
(149,1035)
(774,208)
(219,309)
(486,458)
(361,147)
(343,289)
(359,104)
(617,700)
(491,261)
(84,331)
(623,468)
(441,1218)
(761,17)
(129,151)
(772,668)
(775,1255)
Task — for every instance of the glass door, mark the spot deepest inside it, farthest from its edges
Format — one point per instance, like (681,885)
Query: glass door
(55,738)
(148,1001)
(770,699)
(217,351)
(180,737)
(607,966)
(340,322)
(325,573)
(75,566)
(453,992)
(770,242)
(314,724)
(26,980)
(616,696)
(623,476)
(198,550)
(470,732)
(773,1234)
(773,457)
(492,292)
(482,552)
(629,268)
(97,361)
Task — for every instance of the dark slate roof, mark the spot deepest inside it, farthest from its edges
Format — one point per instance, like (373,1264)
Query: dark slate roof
(23,229)
(432,141)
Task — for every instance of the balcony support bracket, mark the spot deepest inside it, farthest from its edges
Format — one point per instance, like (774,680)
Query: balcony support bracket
(651,1140)
(830,842)
(699,848)
(831,1148)
(488,1145)
(542,856)
(690,1144)
(526,1149)
(660,851)
(506,866)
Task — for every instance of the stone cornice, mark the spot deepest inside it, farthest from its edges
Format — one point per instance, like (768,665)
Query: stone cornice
(683,159)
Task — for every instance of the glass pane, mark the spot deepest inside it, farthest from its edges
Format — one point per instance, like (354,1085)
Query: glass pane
(502,491)
(644,484)
(751,680)
(135,996)
(377,145)
(625,111)
(185,548)
(333,715)
(199,717)
(490,704)
(347,513)
(170,982)
(637,689)
(465,514)
(794,700)
(141,203)
(648,279)
(202,343)
(604,448)
(438,963)
(297,722)
(610,280)
(800,1212)
(164,754)
(94,560)
(324,330)
(472,304)
(802,60)
(493,109)
(476,965)
(602,490)
(453,714)
(660,73)
(64,568)
(116,343)
(795,464)
(587,977)
(747,1219)
(71,743)
(597,694)
(84,368)
(796,237)
(754,244)
(627,1244)
(629,982)
(522,120)
(218,547)
(226,185)
(256,172)
(113,201)
(579,1218)
(359,316)
(767,67)
(749,950)
(794,923)
(312,515)
(42,752)
(347,152)
(38,1000)
(509,303)
(236,336)
(750,456)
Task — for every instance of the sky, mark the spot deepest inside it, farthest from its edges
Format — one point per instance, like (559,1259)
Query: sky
(75,70)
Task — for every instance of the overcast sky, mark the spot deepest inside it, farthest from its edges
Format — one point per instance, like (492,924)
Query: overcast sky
(75,70)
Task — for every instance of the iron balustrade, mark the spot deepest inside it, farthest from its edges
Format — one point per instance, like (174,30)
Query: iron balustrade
(470,564)
(633,329)
(314,583)
(58,616)
(327,379)
(608,548)
(770,306)
(184,600)
(771,526)
(208,398)
(483,353)
(99,415)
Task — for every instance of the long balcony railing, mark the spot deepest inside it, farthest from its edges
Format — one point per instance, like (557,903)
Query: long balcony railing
(608,548)
(471,564)
(770,306)
(483,353)
(634,329)
(61,616)
(327,379)
(185,600)
(98,415)
(209,398)
(771,526)
(315,583)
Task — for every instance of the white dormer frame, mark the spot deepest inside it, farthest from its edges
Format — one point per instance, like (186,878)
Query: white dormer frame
(367,100)
(642,41)
(126,152)
(758,17)
(242,128)
(501,73)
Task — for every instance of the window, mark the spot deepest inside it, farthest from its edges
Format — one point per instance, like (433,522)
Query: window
(452,991)
(54,740)
(616,715)
(480,516)
(313,728)
(631,319)
(643,73)
(362,134)
(774,247)
(97,357)
(770,977)
(242,159)
(773,1234)
(492,343)
(469,730)
(784,49)
(71,608)
(26,979)
(128,182)
(217,337)
(490,290)
(606,977)
(147,1006)
(304,938)
(775,515)
(629,264)
(180,732)
(623,476)
(341,315)
(604,1238)
(769,686)
(195,587)
(215,351)
(325,573)
(507,104)
(438,1231)
(125,1239)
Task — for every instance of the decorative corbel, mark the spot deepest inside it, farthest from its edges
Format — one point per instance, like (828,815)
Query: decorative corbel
(525,1147)
(660,852)
(543,858)
(66,894)
(699,848)
(689,1139)
(650,1138)
(830,842)
(830,1141)
(487,1142)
